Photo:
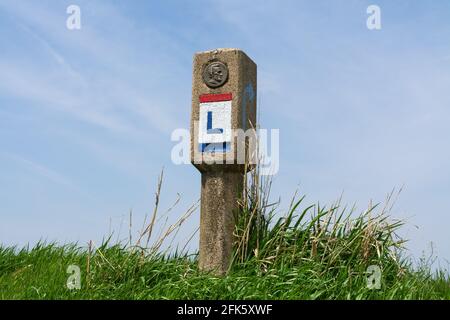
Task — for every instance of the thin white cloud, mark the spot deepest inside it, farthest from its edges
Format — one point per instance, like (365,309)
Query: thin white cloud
(54,53)
(41,92)
(106,98)
(40,170)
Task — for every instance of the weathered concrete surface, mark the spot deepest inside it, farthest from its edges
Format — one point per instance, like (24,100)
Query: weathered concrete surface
(221,183)
(218,203)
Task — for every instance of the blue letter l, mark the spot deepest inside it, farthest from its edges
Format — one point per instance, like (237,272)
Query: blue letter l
(209,128)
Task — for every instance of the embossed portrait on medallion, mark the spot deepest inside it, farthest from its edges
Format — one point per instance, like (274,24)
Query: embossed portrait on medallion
(215,74)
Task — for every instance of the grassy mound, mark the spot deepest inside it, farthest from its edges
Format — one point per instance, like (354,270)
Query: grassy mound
(311,252)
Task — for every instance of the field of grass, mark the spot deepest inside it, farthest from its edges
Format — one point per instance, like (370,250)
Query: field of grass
(311,252)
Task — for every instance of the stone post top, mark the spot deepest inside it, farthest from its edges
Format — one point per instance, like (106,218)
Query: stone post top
(223,106)
(222,50)
(219,50)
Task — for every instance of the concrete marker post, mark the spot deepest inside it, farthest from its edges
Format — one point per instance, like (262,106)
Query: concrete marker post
(223,101)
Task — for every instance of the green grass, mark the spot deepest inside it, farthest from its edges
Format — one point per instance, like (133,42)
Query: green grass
(40,273)
(293,262)
(311,252)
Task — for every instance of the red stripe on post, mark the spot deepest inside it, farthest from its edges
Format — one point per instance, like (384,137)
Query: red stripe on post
(216,97)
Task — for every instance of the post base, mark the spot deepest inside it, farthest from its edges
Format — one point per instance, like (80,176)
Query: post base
(219,194)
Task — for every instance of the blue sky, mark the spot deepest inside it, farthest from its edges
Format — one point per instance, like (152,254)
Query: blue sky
(86,115)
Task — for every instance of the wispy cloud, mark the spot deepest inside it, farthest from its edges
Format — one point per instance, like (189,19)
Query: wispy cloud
(40,170)
(105,99)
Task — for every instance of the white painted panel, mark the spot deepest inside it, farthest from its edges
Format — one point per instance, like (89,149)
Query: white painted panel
(221,118)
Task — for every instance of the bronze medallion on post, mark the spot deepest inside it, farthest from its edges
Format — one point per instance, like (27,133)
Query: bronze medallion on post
(215,74)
